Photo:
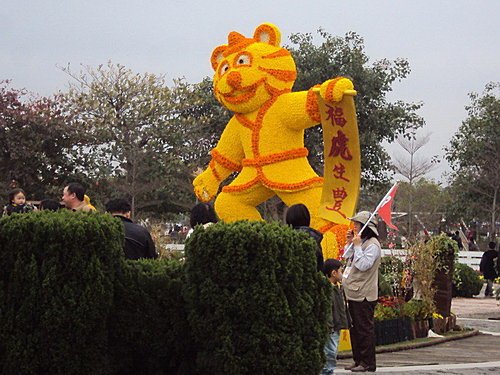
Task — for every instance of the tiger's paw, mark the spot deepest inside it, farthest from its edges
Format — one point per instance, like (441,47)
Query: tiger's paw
(334,90)
(205,186)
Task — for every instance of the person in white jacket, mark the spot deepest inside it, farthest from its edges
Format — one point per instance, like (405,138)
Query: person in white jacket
(360,281)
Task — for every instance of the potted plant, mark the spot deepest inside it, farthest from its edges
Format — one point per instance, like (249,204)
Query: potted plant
(444,251)
(390,324)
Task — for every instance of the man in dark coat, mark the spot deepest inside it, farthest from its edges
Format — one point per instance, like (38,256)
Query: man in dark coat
(138,241)
(487,268)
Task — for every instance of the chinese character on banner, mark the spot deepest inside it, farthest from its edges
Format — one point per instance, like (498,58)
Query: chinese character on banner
(335,115)
(339,195)
(338,172)
(339,146)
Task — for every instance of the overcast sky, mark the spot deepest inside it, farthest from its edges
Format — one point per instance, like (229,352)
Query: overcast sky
(452,46)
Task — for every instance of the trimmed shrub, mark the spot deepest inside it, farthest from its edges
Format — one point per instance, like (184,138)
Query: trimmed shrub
(56,290)
(466,281)
(257,303)
(149,332)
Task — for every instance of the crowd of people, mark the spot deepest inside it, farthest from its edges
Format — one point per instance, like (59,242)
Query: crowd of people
(138,242)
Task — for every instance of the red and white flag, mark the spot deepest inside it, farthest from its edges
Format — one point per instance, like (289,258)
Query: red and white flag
(385,207)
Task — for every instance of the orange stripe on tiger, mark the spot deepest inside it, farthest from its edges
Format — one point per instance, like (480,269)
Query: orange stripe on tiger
(329,90)
(244,121)
(282,75)
(214,170)
(274,55)
(225,162)
(312,107)
(276,158)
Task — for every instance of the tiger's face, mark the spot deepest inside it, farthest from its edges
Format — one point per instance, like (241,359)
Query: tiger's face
(250,71)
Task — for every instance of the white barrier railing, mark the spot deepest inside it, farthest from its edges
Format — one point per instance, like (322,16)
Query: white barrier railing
(470,258)
(175,246)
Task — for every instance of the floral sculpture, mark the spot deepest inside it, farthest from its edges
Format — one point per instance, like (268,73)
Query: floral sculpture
(264,140)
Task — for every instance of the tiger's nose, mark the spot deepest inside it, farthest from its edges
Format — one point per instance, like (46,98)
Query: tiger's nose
(234,80)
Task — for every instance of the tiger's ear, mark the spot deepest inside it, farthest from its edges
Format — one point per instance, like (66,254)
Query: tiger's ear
(217,56)
(268,33)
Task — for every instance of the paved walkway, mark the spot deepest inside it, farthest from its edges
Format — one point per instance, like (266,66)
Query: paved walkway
(479,354)
(478,312)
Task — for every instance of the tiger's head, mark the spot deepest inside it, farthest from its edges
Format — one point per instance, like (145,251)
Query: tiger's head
(250,71)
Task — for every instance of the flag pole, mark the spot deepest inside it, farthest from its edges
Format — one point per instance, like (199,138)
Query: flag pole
(380,204)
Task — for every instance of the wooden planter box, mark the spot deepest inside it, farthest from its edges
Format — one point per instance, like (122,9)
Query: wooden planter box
(393,330)
(420,328)
(439,325)
(451,322)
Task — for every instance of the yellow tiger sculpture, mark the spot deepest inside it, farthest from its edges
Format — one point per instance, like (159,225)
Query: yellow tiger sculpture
(264,140)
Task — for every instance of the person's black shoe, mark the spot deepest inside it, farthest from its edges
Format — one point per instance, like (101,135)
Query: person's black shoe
(359,368)
(362,368)
(351,366)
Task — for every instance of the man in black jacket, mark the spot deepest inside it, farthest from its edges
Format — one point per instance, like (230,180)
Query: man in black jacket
(138,241)
(487,268)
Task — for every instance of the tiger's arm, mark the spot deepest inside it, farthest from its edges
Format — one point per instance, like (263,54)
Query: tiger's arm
(226,158)
(331,91)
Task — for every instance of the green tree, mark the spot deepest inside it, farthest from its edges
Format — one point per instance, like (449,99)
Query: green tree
(379,120)
(132,136)
(412,166)
(35,138)
(203,118)
(429,205)
(473,153)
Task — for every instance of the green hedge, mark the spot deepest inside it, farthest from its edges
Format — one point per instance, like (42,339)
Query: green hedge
(149,332)
(257,304)
(248,300)
(466,281)
(56,281)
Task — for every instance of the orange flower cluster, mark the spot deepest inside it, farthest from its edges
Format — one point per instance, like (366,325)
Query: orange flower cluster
(274,158)
(312,107)
(340,232)
(225,162)
(329,89)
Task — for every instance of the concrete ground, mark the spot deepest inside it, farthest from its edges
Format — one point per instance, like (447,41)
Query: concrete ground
(478,354)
